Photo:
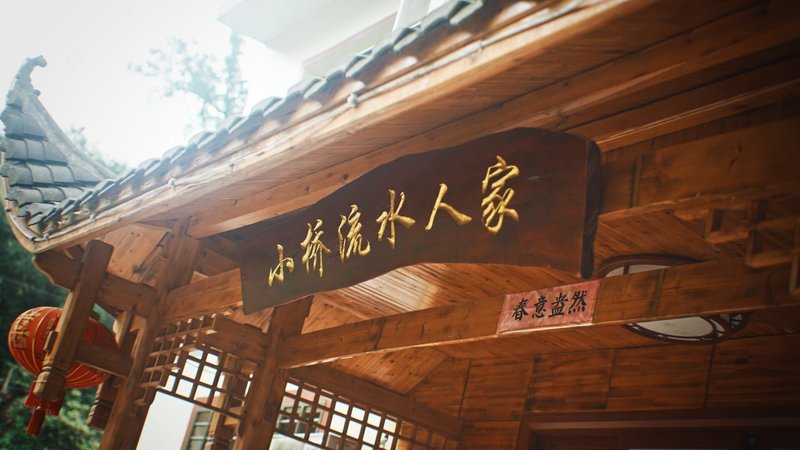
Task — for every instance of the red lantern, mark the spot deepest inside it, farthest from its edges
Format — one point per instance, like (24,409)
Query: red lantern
(27,341)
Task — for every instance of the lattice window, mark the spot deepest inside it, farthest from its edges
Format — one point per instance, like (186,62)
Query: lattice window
(334,422)
(182,364)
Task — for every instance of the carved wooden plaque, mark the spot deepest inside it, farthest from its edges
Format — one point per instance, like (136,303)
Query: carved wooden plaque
(556,307)
(524,197)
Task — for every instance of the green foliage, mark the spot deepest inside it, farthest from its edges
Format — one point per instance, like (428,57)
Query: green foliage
(183,70)
(67,431)
(22,287)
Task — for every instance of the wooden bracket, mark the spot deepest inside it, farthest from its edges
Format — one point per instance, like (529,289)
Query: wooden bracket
(51,382)
(104,359)
(115,293)
(107,392)
(269,381)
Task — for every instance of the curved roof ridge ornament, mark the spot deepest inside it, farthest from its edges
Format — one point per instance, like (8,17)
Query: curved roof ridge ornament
(23,76)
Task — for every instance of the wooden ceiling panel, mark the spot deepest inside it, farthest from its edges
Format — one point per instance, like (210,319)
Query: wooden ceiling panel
(137,252)
(397,371)
(444,386)
(431,285)
(760,323)
(659,233)
(565,340)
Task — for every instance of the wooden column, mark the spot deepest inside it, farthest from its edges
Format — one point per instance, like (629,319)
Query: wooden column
(63,342)
(130,410)
(107,392)
(269,381)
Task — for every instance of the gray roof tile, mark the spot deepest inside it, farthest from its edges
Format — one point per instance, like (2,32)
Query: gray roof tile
(84,176)
(24,196)
(35,212)
(261,106)
(61,174)
(16,174)
(35,150)
(465,10)
(52,153)
(41,174)
(15,149)
(169,154)
(49,170)
(72,192)
(52,194)
(19,124)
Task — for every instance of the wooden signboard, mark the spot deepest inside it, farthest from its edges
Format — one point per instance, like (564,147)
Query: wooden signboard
(523,197)
(557,307)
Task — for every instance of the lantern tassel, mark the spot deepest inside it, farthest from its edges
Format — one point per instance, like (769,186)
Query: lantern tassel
(40,408)
(35,424)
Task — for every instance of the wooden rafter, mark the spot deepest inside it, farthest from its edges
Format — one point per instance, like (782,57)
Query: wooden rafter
(66,338)
(130,408)
(694,289)
(744,32)
(627,193)
(114,292)
(269,381)
(502,49)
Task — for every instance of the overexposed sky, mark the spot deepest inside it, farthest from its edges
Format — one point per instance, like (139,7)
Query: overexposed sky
(89,46)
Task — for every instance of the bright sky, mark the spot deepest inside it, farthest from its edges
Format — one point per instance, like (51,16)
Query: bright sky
(89,46)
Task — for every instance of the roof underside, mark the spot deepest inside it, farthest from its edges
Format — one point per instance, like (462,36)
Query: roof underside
(49,192)
(649,81)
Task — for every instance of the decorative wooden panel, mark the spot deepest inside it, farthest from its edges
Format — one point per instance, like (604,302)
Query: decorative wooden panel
(188,363)
(496,391)
(548,174)
(758,371)
(443,388)
(659,377)
(570,381)
(490,435)
(397,371)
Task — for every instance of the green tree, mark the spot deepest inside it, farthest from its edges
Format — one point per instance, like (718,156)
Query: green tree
(22,287)
(182,70)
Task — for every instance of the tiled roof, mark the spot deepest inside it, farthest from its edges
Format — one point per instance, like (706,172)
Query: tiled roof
(49,184)
(43,171)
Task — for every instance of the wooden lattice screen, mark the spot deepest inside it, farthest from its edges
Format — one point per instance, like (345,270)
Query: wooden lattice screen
(203,362)
(188,363)
(330,421)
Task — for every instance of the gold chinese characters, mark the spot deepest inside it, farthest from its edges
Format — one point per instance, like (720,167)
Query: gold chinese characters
(494,207)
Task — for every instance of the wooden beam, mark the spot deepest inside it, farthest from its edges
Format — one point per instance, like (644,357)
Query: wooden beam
(107,392)
(111,361)
(384,399)
(264,398)
(749,90)
(706,288)
(502,49)
(51,382)
(733,166)
(128,414)
(748,31)
(239,339)
(116,292)
(210,262)
(206,296)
